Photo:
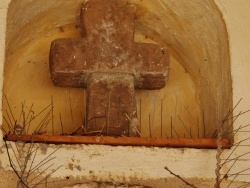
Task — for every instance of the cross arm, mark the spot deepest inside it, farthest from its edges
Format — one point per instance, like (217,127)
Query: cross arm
(73,59)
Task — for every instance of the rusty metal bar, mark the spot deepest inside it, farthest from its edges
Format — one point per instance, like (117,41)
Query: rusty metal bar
(122,141)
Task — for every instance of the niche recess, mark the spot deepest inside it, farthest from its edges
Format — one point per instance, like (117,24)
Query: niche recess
(198,93)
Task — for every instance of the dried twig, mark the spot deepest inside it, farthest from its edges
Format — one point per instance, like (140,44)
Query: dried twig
(24,156)
(179,177)
(229,158)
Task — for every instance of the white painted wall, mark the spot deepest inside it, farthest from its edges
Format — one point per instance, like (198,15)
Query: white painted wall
(145,163)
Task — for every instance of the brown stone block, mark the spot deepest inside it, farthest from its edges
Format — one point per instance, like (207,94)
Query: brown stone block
(111,104)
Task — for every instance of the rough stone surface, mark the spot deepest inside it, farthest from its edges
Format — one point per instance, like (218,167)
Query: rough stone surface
(111,104)
(108,47)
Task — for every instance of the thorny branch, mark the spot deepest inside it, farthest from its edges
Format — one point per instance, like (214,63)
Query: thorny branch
(12,166)
(179,177)
(229,158)
(24,157)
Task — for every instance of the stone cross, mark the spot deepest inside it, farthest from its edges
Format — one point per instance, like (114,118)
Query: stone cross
(110,65)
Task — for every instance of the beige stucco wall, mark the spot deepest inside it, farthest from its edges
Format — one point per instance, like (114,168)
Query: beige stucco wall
(128,163)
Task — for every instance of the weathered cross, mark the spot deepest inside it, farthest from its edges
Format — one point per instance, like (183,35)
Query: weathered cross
(110,64)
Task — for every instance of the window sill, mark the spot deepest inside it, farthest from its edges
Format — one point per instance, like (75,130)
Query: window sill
(122,141)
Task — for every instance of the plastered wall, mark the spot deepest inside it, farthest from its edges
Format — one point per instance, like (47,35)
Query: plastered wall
(142,164)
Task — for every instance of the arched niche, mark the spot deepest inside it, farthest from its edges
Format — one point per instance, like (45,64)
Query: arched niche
(196,35)
(198,94)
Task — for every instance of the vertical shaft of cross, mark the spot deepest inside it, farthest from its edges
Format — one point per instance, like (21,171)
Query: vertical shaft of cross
(111,104)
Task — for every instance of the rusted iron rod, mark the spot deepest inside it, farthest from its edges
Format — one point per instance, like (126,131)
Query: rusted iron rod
(122,141)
